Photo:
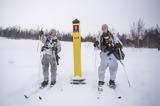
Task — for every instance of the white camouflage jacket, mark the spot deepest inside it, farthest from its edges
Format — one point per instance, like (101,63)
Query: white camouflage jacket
(49,43)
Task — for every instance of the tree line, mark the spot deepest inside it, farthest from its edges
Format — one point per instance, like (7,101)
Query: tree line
(16,32)
(138,36)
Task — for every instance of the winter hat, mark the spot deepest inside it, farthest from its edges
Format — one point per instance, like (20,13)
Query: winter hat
(104,26)
(52,31)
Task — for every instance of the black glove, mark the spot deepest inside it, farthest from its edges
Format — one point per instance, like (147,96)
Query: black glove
(54,48)
(44,47)
(96,44)
(41,32)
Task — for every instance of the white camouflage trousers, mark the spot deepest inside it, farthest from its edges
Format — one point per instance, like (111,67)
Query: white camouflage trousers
(46,61)
(107,61)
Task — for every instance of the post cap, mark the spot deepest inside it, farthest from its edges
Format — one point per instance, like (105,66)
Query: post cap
(76,21)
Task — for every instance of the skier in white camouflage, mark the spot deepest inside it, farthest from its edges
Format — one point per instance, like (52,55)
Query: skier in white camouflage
(50,50)
(110,47)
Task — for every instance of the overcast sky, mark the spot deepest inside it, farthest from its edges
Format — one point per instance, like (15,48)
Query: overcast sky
(58,14)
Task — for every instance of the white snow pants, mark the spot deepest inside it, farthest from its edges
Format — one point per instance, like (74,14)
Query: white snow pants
(46,61)
(107,61)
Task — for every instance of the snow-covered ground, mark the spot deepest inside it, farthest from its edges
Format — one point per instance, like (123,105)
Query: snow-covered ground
(20,73)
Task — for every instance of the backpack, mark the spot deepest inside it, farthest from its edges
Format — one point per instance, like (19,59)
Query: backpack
(118,52)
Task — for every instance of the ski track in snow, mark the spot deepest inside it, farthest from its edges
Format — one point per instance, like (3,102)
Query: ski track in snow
(20,73)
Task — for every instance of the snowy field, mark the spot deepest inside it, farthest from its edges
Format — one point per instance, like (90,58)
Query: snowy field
(20,73)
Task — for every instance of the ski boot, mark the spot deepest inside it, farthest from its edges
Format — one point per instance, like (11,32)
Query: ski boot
(112,84)
(100,86)
(100,83)
(44,84)
(52,83)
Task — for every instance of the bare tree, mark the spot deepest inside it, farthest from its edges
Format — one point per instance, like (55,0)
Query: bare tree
(137,30)
(157,26)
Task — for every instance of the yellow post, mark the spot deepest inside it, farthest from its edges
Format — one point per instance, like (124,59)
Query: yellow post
(77,48)
(77,51)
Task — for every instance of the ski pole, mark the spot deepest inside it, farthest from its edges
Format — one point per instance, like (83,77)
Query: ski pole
(39,53)
(95,57)
(39,38)
(125,73)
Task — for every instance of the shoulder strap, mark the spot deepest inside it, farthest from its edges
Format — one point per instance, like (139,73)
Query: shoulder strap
(112,37)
